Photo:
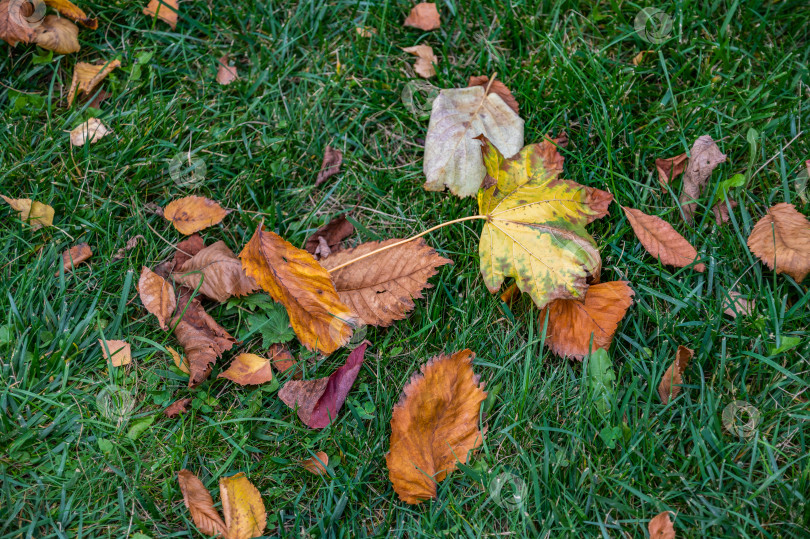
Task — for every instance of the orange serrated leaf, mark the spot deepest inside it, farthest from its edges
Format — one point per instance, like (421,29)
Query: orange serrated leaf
(781,239)
(192,214)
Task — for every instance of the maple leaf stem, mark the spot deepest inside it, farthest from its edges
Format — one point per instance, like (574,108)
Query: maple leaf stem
(397,244)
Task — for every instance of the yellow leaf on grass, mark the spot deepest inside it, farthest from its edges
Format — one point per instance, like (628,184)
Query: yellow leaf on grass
(434,425)
(781,239)
(166,11)
(118,352)
(73,12)
(249,369)
(179,362)
(87,76)
(192,214)
(32,212)
(535,224)
(294,278)
(242,505)
(157,295)
(58,35)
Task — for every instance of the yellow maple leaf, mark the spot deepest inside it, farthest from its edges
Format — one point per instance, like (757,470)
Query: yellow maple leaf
(535,229)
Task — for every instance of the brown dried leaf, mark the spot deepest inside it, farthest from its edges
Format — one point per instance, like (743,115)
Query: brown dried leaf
(118,352)
(737,304)
(217,272)
(498,88)
(58,35)
(130,245)
(73,12)
(571,322)
(32,212)
(249,369)
(319,401)
(333,232)
(670,385)
(192,214)
(87,76)
(177,407)
(382,287)
(330,165)
(75,256)
(18,21)
(200,505)
(242,505)
(226,73)
(90,131)
(424,65)
(294,278)
(661,240)
(434,425)
(670,168)
(317,464)
(201,337)
(511,293)
(705,157)
(721,211)
(179,362)
(157,295)
(781,239)
(661,527)
(282,360)
(424,16)
(166,11)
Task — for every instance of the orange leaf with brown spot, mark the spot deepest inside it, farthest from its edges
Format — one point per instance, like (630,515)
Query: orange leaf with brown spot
(294,278)
(157,295)
(661,527)
(192,214)
(661,240)
(571,322)
(434,426)
(248,369)
(781,239)
(671,382)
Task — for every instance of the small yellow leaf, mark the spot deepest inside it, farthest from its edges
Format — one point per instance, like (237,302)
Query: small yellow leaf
(249,369)
(166,11)
(192,214)
(119,352)
(73,12)
(32,212)
(179,362)
(242,505)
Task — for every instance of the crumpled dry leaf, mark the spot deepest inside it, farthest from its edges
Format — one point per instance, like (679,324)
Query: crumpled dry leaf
(242,505)
(73,12)
(535,227)
(166,11)
(87,76)
(282,360)
(319,401)
(18,21)
(424,16)
(192,214)
(452,154)
(75,256)
(200,504)
(737,304)
(497,87)
(333,232)
(317,464)
(670,385)
(203,340)
(130,245)
(157,296)
(32,212)
(90,131)
(781,239)
(176,408)
(434,425)
(217,272)
(330,165)
(58,35)
(425,62)
(226,73)
(294,278)
(661,240)
(670,168)
(661,527)
(705,157)
(116,351)
(571,322)
(382,287)
(248,369)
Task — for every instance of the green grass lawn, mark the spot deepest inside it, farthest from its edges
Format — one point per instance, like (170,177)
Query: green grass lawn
(308,79)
